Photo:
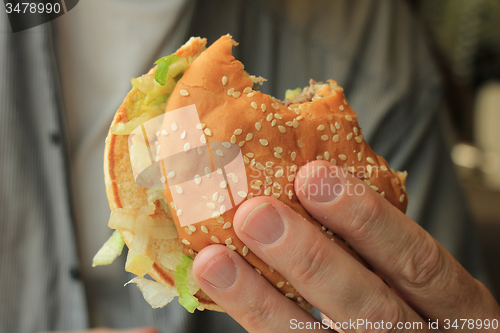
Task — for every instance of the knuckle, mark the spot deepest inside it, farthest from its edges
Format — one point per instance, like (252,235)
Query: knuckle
(390,313)
(422,264)
(260,312)
(365,214)
(305,267)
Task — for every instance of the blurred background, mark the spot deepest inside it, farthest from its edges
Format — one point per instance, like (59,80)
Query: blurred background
(465,39)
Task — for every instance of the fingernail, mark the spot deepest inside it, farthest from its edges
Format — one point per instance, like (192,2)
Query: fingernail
(263,224)
(220,273)
(321,185)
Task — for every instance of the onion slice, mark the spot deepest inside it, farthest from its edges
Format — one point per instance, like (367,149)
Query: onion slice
(110,250)
(156,294)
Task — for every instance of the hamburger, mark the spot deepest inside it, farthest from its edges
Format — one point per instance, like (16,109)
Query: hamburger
(181,126)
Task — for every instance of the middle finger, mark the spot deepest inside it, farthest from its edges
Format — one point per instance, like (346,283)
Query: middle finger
(320,270)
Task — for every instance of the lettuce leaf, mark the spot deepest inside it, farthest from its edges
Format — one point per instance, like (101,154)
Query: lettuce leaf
(181,281)
(110,250)
(162,68)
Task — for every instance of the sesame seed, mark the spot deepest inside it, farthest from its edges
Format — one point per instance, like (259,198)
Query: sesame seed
(291,178)
(172,204)
(162,179)
(215,196)
(289,123)
(247,90)
(337,125)
(179,212)
(230,91)
(258,271)
(370,160)
(329,233)
(183,135)
(215,239)
(270,171)
(259,166)
(293,155)
(189,232)
(383,168)
(251,95)
(232,247)
(224,80)
(228,241)
(277,155)
(192,228)
(341,108)
(368,182)
(278,116)
(184,92)
(402,198)
(345,101)
(278,149)
(279,173)
(359,139)
(174,127)
(208,131)
(264,142)
(258,126)
(269,180)
(349,136)
(163,132)
(197,179)
(242,143)
(324,137)
(246,159)
(275,106)
(223,184)
(289,295)
(327,155)
(249,137)
(290,194)
(236,94)
(269,116)
(335,138)
(222,209)
(220,219)
(215,215)
(185,241)
(251,155)
(280,284)
(171,174)
(375,188)
(277,186)
(382,194)
(295,123)
(208,171)
(263,107)
(300,117)
(282,129)
(301,144)
(355,130)
(321,127)
(343,157)
(203,139)
(273,122)
(254,105)
(178,189)
(187,146)
(226,145)
(204,229)
(267,191)
(244,251)
(211,205)
(300,299)
(221,199)
(319,157)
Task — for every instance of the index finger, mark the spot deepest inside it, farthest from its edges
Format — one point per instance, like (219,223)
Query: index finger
(404,254)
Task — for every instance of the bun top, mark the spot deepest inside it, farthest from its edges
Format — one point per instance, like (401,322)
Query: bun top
(275,141)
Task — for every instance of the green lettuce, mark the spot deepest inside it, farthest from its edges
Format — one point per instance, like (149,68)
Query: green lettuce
(181,282)
(162,68)
(110,250)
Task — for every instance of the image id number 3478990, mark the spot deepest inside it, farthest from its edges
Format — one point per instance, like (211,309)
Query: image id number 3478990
(32,7)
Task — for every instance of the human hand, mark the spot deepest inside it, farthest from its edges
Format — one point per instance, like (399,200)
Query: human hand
(424,282)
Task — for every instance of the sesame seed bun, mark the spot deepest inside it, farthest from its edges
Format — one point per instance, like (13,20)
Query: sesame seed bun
(271,137)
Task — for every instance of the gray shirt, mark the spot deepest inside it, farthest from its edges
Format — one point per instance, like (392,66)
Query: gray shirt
(375,50)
